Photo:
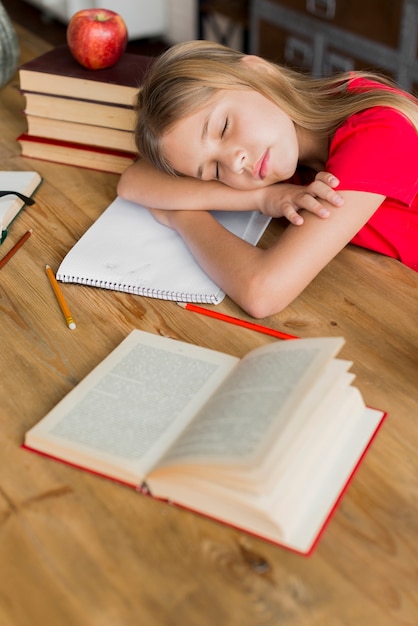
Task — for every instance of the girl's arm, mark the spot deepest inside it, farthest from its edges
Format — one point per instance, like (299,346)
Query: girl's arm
(144,184)
(264,282)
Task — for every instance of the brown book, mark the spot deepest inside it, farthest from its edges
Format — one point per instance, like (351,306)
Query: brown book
(56,72)
(79,155)
(81,111)
(89,134)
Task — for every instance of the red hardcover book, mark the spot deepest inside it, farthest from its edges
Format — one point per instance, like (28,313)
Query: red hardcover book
(79,155)
(56,72)
(266,444)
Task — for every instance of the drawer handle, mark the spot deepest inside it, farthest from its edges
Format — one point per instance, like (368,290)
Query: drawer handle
(321,8)
(298,52)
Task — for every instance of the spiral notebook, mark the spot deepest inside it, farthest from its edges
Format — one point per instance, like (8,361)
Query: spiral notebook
(126,249)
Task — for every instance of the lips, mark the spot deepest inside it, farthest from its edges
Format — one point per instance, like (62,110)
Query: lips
(261,167)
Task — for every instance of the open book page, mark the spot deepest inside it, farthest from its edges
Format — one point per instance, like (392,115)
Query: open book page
(316,475)
(308,422)
(294,511)
(130,408)
(247,511)
(10,205)
(126,249)
(272,462)
(235,428)
(274,468)
(288,470)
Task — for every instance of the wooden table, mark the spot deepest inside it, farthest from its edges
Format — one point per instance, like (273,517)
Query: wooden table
(78,550)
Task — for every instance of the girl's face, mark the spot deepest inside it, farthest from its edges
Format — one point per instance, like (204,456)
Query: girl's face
(239,137)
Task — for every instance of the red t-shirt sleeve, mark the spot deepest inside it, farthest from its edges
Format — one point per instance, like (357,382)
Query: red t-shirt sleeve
(376,151)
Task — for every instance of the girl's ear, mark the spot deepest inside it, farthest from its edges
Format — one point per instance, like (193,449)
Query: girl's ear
(254,62)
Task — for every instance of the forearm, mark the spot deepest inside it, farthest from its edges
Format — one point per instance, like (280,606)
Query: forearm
(144,184)
(236,266)
(264,282)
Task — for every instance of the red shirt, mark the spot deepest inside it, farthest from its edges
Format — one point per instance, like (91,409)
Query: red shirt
(376,151)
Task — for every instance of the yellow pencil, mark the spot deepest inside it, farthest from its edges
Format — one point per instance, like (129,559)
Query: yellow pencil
(63,305)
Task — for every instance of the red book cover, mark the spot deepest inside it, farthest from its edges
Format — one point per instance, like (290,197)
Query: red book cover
(73,145)
(79,155)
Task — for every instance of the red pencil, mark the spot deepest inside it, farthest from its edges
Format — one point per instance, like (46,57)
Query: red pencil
(235,320)
(15,248)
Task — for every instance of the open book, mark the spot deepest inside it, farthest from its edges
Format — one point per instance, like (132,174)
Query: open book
(15,191)
(126,249)
(267,443)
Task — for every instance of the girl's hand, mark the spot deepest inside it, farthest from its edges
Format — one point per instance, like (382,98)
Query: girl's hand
(286,199)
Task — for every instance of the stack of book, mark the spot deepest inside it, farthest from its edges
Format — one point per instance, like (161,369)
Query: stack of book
(78,116)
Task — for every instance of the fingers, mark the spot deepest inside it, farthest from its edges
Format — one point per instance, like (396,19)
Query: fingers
(291,214)
(324,192)
(328,179)
(288,200)
(307,202)
(313,205)
(323,187)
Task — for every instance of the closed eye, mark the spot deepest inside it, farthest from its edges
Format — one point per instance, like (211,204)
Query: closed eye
(225,128)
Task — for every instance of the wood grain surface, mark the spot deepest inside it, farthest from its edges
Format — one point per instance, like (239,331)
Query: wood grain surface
(79,550)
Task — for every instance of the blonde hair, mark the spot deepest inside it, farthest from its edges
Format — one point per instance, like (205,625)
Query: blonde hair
(184,78)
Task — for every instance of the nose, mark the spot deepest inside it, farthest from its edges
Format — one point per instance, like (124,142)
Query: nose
(236,160)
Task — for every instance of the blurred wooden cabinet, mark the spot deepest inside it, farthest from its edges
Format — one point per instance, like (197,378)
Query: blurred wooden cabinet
(224,22)
(327,36)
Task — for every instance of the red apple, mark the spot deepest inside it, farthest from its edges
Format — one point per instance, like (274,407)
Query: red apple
(97,38)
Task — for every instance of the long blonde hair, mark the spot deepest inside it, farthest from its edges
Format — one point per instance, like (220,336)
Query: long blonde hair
(184,78)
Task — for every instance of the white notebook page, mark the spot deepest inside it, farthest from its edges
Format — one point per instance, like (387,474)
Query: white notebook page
(126,249)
